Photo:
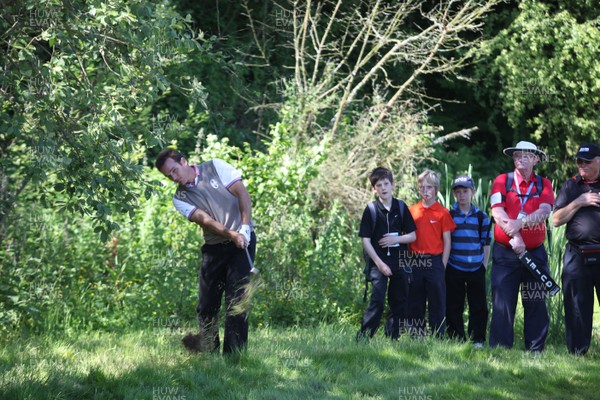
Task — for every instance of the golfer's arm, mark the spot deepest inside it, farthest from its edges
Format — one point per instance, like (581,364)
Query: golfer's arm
(239,190)
(206,222)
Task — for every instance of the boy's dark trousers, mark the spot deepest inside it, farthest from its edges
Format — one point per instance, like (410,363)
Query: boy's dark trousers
(427,293)
(397,293)
(459,283)
(579,282)
(225,268)
(508,276)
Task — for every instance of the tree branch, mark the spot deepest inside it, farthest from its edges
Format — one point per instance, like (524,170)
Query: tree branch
(464,133)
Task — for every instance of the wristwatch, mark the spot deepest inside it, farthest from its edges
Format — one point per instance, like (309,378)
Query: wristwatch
(523,221)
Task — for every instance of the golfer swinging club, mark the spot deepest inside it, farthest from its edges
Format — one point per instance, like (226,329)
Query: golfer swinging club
(213,196)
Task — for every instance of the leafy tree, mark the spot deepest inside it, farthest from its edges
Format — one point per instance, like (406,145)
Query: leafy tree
(78,79)
(543,73)
(355,81)
(242,109)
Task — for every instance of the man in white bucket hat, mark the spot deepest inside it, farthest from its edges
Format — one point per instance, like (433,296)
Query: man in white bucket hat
(526,147)
(521,202)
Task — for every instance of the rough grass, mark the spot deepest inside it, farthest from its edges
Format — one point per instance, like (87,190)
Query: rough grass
(321,363)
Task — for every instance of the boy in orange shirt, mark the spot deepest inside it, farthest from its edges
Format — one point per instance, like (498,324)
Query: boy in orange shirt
(429,257)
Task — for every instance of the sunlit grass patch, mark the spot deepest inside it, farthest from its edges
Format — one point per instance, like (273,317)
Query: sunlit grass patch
(322,362)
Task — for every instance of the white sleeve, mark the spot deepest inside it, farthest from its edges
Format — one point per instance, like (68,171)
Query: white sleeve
(496,198)
(227,173)
(186,209)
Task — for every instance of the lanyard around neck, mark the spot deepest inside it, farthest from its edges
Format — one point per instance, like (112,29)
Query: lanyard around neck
(522,199)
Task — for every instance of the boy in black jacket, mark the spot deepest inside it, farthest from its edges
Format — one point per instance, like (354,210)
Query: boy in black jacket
(385,243)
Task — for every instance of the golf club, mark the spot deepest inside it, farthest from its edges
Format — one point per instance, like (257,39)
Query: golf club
(253,270)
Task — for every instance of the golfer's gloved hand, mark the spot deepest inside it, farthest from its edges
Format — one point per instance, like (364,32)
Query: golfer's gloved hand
(246,231)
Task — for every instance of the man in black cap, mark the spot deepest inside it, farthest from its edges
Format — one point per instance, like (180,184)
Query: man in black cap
(578,206)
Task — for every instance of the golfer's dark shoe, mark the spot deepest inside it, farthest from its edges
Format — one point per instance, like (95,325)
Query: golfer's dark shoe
(192,342)
(198,343)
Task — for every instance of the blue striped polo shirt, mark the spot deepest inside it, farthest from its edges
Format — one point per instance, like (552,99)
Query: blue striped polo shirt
(466,253)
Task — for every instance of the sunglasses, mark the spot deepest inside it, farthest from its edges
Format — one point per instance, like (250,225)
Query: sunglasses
(582,161)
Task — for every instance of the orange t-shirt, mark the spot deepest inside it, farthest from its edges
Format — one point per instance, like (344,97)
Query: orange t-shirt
(431,222)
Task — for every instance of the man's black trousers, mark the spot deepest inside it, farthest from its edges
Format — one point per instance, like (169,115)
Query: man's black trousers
(225,268)
(579,282)
(508,277)
(459,283)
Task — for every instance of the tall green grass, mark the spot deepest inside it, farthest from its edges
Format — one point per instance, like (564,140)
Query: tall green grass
(57,275)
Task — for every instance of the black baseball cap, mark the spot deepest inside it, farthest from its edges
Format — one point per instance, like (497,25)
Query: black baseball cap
(463,181)
(588,151)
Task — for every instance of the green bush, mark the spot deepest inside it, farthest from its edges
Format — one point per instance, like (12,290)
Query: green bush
(58,276)
(308,256)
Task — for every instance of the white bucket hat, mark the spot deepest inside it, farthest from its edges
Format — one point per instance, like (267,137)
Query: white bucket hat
(525,147)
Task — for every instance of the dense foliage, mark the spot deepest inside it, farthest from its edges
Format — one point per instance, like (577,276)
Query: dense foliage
(78,81)
(543,73)
(303,98)
(58,276)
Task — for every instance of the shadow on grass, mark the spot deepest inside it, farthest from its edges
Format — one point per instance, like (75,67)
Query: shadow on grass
(288,364)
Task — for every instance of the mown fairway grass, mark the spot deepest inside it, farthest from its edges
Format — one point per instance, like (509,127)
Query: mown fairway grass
(293,363)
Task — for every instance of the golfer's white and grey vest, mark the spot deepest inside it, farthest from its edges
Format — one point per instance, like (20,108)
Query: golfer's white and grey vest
(211,196)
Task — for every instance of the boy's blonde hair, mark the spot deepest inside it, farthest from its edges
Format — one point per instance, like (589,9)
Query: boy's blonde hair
(430,177)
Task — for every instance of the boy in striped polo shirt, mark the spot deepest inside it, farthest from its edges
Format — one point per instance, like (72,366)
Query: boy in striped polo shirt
(467,265)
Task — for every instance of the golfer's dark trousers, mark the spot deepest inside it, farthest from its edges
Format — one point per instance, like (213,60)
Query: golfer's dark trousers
(578,282)
(397,293)
(471,283)
(508,277)
(427,293)
(225,268)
